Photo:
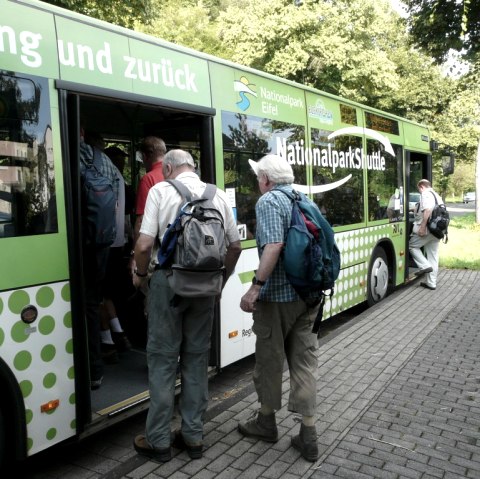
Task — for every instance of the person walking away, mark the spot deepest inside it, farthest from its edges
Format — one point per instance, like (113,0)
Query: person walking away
(421,237)
(177,326)
(282,322)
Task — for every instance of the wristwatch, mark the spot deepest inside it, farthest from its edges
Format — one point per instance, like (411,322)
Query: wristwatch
(140,275)
(257,281)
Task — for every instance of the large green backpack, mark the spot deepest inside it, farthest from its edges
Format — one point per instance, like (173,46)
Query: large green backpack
(311,257)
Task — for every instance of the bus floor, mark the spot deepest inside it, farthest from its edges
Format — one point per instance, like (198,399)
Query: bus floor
(123,380)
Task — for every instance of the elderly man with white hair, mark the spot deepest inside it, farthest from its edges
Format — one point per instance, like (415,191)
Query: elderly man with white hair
(282,321)
(177,327)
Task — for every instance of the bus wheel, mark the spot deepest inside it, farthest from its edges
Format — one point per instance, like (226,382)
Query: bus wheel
(378,277)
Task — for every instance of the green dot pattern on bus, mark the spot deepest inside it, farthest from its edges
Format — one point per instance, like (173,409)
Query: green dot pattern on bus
(40,355)
(356,248)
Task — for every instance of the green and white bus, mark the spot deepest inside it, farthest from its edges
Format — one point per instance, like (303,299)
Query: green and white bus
(359,164)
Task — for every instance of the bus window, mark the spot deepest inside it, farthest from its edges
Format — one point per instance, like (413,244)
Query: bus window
(27,184)
(385,187)
(247,137)
(343,205)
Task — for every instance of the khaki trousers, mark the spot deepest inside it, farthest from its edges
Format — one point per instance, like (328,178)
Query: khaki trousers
(284,331)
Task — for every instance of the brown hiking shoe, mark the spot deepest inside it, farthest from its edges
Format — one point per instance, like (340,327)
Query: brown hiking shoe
(306,442)
(158,454)
(262,427)
(195,451)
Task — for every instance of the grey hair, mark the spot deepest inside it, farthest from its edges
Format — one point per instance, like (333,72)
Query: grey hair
(176,158)
(278,170)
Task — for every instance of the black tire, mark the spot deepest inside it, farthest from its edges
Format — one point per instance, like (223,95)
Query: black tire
(3,455)
(378,277)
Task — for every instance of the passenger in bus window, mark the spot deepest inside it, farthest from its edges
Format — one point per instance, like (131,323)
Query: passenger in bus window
(426,260)
(393,207)
(153,151)
(282,322)
(178,326)
(113,337)
(95,259)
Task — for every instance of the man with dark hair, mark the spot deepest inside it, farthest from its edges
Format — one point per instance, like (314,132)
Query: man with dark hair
(153,151)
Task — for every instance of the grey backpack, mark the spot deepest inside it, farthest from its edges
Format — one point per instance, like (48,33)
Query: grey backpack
(197,268)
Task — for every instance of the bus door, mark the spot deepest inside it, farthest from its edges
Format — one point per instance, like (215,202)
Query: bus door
(417,166)
(122,120)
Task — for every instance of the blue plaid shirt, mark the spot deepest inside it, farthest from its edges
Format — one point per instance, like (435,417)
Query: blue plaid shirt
(274,213)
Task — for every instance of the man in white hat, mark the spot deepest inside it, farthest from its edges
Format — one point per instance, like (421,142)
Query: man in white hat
(282,322)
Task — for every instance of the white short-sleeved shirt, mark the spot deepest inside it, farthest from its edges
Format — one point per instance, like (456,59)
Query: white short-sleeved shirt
(164,200)
(427,202)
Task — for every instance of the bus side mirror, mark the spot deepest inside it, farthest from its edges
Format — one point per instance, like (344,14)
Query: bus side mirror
(448,163)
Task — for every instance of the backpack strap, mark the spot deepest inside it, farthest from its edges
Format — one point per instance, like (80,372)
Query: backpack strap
(97,159)
(292,196)
(210,192)
(182,189)
(436,196)
(94,162)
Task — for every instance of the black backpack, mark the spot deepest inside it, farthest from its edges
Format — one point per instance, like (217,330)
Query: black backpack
(439,220)
(99,203)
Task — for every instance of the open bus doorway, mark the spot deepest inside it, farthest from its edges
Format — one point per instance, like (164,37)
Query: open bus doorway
(122,123)
(418,166)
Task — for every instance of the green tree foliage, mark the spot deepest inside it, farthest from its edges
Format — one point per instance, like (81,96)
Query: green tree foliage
(441,25)
(462,180)
(358,49)
(422,92)
(188,23)
(339,47)
(459,125)
(120,12)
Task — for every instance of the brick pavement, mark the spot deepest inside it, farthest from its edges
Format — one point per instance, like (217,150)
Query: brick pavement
(398,397)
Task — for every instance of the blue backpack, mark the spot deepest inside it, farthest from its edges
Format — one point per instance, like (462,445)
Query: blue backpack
(99,203)
(311,257)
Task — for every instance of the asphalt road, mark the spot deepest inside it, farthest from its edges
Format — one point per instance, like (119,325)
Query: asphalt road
(459,209)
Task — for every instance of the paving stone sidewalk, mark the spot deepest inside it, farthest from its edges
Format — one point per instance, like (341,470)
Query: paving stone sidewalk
(398,397)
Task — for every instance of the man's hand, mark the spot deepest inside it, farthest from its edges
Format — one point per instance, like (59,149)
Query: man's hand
(271,253)
(422,230)
(249,299)
(131,266)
